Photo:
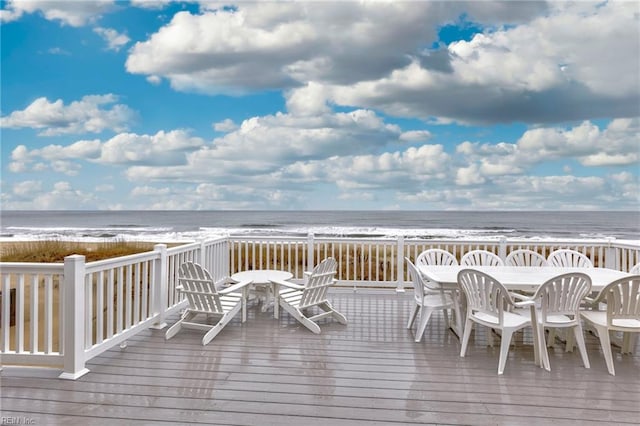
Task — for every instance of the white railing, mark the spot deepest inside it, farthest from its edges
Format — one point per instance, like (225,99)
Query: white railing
(379,262)
(66,314)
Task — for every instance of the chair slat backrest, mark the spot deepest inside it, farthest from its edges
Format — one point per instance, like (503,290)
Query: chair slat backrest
(622,297)
(481,258)
(436,257)
(569,258)
(563,294)
(525,257)
(318,283)
(484,294)
(199,288)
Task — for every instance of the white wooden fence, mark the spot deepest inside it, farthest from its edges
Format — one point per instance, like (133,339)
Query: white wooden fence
(63,315)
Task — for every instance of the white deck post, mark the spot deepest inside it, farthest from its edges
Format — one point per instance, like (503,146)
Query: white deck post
(502,248)
(310,243)
(160,287)
(202,256)
(610,260)
(400,286)
(74,318)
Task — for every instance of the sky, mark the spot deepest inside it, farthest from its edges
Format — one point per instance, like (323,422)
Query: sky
(312,105)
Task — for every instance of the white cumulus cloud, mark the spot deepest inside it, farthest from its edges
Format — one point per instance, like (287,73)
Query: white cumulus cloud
(91,114)
(115,40)
(72,13)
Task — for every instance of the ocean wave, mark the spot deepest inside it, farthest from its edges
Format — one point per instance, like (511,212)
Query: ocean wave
(170,235)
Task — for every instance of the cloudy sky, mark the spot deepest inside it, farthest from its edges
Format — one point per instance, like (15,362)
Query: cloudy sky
(320,105)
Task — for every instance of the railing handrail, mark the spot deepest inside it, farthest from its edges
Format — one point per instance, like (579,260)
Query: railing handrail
(30,267)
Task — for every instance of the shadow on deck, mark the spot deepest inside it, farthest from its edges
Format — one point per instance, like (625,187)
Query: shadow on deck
(369,372)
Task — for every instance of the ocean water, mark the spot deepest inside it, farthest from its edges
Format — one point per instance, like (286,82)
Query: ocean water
(167,226)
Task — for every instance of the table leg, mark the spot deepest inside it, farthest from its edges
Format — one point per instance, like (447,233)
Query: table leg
(245,295)
(276,304)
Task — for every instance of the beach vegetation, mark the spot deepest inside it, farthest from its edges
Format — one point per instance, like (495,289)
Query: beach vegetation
(54,251)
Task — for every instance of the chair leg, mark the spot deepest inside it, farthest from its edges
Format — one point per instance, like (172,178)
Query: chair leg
(542,347)
(173,330)
(335,314)
(605,343)
(504,348)
(468,326)
(579,336)
(552,337)
(446,318)
(425,314)
(536,339)
(187,315)
(570,343)
(457,309)
(629,342)
(490,339)
(412,316)
(214,331)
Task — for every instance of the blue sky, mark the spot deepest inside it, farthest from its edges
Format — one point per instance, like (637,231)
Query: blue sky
(418,105)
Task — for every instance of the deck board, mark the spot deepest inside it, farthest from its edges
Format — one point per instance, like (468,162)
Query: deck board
(370,371)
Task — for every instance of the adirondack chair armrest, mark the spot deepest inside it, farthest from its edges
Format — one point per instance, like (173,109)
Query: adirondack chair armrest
(235,287)
(288,284)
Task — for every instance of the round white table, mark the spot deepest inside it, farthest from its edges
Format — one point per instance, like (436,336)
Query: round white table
(261,281)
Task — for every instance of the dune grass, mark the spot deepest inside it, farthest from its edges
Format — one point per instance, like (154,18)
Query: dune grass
(54,251)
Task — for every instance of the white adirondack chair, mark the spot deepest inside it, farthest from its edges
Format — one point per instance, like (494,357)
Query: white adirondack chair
(635,269)
(481,258)
(487,303)
(558,306)
(525,257)
(196,284)
(428,298)
(569,258)
(298,300)
(623,314)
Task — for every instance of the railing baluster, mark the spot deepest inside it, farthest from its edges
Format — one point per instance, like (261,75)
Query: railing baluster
(20,314)
(48,314)
(88,309)
(110,306)
(6,309)
(33,313)
(100,308)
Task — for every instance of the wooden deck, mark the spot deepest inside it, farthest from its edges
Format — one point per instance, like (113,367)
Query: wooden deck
(369,372)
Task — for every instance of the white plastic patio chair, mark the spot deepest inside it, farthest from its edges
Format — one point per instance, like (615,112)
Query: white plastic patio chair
(623,314)
(428,297)
(298,299)
(436,257)
(569,258)
(444,258)
(558,306)
(525,257)
(635,269)
(205,299)
(481,258)
(487,303)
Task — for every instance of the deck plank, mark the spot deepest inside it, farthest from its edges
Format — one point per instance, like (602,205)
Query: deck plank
(370,371)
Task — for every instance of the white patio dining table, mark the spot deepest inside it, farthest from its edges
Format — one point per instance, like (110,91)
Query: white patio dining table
(521,278)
